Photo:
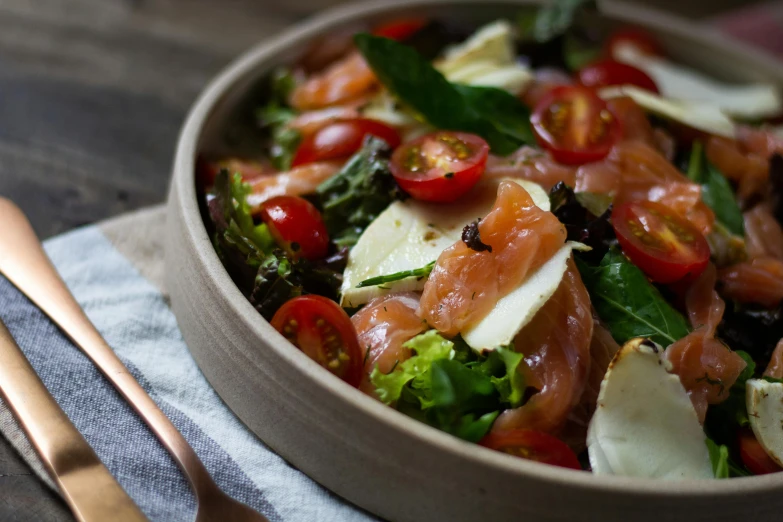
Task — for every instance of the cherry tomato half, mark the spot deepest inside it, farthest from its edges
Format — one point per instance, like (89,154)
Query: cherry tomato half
(643,41)
(322,330)
(341,139)
(753,455)
(532,445)
(297,226)
(662,244)
(401,29)
(575,125)
(441,166)
(609,72)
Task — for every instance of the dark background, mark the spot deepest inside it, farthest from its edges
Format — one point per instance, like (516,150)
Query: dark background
(92,95)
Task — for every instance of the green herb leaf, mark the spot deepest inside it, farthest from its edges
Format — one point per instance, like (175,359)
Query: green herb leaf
(748,372)
(554,19)
(284,140)
(628,304)
(493,114)
(577,54)
(716,191)
(718,195)
(719,456)
(356,195)
(396,276)
(275,116)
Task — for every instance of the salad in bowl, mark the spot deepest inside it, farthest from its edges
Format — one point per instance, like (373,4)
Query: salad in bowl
(559,245)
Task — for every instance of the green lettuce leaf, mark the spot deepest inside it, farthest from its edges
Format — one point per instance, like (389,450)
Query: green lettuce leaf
(628,304)
(427,347)
(449,387)
(355,196)
(275,116)
(233,221)
(494,114)
(502,365)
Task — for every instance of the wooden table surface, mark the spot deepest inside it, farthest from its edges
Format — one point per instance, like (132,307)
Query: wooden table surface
(92,95)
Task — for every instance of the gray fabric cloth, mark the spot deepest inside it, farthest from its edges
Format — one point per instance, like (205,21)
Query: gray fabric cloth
(105,268)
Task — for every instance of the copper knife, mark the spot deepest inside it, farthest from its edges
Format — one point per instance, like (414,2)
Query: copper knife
(85,483)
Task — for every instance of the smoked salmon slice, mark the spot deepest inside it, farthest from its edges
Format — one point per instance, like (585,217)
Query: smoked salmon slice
(634,170)
(763,235)
(775,366)
(603,347)
(383,325)
(707,368)
(533,165)
(557,349)
(295,182)
(466,284)
(757,281)
(343,81)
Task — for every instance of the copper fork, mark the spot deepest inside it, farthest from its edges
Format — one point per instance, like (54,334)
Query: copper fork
(25,264)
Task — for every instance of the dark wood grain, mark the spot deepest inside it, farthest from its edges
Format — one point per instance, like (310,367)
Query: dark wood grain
(92,94)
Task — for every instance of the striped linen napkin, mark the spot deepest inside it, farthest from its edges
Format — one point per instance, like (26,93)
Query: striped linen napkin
(115,270)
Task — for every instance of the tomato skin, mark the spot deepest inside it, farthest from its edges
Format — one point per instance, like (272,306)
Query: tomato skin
(323,331)
(639,38)
(664,245)
(754,456)
(400,29)
(532,445)
(575,125)
(295,221)
(609,72)
(341,139)
(441,166)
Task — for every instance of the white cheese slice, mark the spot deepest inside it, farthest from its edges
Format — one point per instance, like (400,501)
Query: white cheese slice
(765,411)
(702,116)
(645,424)
(410,234)
(486,59)
(750,102)
(516,309)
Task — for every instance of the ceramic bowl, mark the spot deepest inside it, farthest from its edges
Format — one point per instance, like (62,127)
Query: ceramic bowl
(360,449)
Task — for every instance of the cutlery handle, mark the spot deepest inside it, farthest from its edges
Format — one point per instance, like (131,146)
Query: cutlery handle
(24,262)
(87,486)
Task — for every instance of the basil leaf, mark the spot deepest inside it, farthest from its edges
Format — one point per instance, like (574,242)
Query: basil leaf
(628,304)
(404,274)
(716,191)
(718,195)
(493,114)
